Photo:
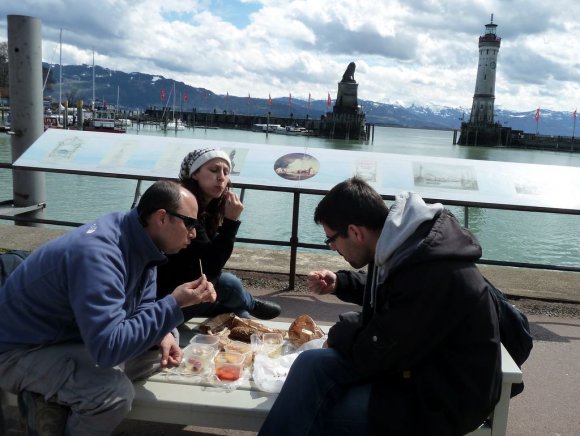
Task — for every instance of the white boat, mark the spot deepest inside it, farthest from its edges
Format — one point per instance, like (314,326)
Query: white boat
(291,130)
(174,125)
(103,121)
(52,122)
(265,127)
(123,122)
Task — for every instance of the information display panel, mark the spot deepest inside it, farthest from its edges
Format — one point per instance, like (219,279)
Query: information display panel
(461,181)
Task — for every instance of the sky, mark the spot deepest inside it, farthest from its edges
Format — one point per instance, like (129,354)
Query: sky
(422,52)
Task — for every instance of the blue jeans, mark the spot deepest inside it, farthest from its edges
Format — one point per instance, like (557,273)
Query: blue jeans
(231,297)
(323,394)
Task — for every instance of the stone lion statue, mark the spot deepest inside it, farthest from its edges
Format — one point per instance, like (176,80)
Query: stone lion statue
(348,75)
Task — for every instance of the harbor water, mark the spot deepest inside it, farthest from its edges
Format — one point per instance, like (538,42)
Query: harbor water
(530,237)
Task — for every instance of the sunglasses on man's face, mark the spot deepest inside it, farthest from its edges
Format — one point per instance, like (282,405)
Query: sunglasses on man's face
(190,223)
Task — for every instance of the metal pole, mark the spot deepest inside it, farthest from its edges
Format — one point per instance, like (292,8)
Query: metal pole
(25,76)
(294,240)
(80,116)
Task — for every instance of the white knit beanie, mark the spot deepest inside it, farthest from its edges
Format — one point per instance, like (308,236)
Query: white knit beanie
(196,158)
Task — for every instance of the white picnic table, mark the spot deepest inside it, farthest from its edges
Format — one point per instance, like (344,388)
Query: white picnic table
(178,399)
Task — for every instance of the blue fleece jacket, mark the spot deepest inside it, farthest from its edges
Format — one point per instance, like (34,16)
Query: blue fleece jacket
(95,285)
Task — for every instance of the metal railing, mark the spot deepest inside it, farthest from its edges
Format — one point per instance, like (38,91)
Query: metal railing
(10,213)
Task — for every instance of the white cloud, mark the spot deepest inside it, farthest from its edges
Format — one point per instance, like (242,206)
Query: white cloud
(413,51)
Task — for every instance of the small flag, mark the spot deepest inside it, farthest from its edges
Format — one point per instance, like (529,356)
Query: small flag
(329,101)
(269,100)
(290,100)
(537,117)
(574,114)
(162,94)
(185,97)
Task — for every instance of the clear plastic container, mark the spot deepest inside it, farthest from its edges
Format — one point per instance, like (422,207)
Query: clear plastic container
(243,348)
(229,366)
(205,340)
(272,344)
(198,358)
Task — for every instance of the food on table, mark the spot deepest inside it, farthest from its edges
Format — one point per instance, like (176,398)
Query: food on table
(228,365)
(238,329)
(302,330)
(198,357)
(243,348)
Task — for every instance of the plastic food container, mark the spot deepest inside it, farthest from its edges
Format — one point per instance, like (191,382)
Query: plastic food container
(272,344)
(243,348)
(229,366)
(198,358)
(205,340)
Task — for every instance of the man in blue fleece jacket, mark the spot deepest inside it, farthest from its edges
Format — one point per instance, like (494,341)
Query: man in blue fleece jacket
(79,317)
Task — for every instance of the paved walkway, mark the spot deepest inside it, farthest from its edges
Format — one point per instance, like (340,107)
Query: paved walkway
(550,403)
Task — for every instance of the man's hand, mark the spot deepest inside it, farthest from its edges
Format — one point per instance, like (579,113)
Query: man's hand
(171,354)
(341,335)
(322,282)
(196,292)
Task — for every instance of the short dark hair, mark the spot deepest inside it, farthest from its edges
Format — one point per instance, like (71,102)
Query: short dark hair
(353,201)
(163,194)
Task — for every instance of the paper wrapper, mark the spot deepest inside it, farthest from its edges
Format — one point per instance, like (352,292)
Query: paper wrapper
(303,330)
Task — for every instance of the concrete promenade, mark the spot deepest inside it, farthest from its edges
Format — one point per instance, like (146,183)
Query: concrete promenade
(550,403)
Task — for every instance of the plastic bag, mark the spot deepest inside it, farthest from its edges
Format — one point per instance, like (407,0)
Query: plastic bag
(270,373)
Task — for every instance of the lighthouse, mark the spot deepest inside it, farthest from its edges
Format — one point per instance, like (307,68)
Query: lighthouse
(484,96)
(481,129)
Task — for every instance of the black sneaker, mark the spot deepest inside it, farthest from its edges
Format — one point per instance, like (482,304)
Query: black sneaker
(42,418)
(265,309)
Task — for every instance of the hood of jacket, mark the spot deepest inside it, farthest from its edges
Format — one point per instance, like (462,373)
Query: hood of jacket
(416,232)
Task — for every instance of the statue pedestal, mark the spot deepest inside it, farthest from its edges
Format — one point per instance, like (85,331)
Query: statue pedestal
(346,100)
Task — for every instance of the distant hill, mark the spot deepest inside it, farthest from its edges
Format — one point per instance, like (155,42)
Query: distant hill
(140,91)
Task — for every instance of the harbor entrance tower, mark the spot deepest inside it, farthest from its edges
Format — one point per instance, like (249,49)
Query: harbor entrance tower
(481,128)
(484,96)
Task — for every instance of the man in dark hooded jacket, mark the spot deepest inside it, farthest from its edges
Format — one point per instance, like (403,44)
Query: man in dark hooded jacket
(423,356)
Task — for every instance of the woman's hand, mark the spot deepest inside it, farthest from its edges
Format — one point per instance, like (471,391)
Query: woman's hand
(233,207)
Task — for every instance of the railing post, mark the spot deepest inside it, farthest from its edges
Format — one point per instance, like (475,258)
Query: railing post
(294,240)
(25,76)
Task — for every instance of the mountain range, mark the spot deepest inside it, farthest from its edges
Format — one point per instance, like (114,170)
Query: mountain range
(140,91)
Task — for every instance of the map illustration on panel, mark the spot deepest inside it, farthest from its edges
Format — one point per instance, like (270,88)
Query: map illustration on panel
(437,175)
(66,149)
(296,166)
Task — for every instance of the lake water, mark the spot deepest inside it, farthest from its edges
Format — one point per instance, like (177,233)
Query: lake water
(530,237)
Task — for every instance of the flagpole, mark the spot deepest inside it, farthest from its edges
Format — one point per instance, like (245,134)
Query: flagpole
(60,78)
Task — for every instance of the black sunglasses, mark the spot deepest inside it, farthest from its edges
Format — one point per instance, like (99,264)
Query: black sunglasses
(331,239)
(190,223)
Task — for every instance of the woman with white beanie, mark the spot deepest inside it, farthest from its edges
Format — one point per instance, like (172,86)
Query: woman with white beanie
(206,173)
